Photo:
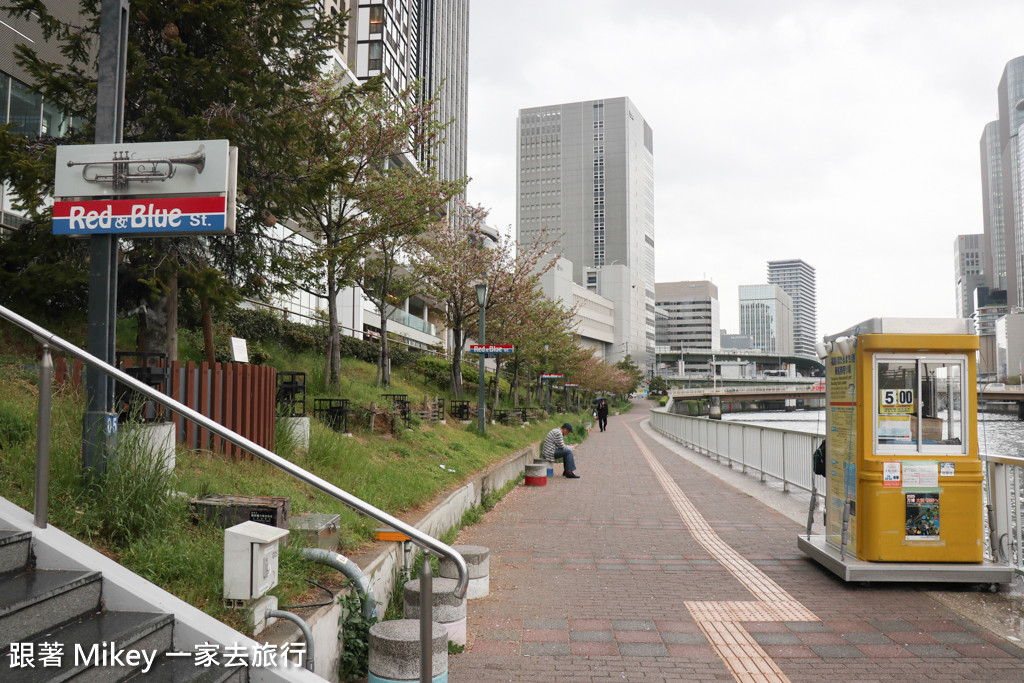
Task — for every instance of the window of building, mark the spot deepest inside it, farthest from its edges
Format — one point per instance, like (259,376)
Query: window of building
(376,57)
(25,109)
(376,19)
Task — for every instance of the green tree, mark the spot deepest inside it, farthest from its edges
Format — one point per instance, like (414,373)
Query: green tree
(632,372)
(454,260)
(210,69)
(363,198)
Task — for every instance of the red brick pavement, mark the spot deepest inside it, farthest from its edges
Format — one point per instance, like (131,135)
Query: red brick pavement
(589,581)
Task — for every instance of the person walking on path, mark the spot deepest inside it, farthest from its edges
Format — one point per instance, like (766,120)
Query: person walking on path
(602,414)
(554,447)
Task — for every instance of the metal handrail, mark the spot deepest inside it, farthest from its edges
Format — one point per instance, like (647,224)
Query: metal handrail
(423,540)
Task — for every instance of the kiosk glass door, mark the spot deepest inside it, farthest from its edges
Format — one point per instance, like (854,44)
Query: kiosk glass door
(918,404)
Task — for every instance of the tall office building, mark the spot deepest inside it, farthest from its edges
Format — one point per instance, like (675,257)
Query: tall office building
(967,260)
(585,172)
(766,315)
(797,279)
(1011,117)
(691,319)
(406,40)
(994,252)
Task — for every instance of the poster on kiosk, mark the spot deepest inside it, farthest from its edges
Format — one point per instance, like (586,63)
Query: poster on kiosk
(902,448)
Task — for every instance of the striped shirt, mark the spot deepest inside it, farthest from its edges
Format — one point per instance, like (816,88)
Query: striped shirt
(552,442)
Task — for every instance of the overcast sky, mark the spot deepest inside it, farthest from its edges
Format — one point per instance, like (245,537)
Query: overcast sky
(841,132)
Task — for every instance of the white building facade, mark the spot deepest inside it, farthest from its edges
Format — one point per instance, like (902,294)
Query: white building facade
(691,316)
(766,315)
(799,281)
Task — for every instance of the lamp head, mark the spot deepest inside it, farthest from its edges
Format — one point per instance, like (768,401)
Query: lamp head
(481,293)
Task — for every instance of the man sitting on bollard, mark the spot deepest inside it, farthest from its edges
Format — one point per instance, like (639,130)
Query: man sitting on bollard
(554,447)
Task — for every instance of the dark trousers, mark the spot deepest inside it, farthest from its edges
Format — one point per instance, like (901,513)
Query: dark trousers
(602,422)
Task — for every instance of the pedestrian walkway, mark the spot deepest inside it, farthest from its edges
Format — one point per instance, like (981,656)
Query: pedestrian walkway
(648,568)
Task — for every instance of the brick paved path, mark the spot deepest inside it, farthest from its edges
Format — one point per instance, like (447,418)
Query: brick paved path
(649,569)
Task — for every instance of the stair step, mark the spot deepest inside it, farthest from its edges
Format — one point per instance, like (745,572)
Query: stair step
(36,600)
(14,550)
(128,631)
(184,670)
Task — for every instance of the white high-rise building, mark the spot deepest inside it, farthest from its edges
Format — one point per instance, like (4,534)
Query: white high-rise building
(585,172)
(797,279)
(691,320)
(766,315)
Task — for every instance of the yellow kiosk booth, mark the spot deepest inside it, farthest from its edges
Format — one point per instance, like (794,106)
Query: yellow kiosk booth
(903,495)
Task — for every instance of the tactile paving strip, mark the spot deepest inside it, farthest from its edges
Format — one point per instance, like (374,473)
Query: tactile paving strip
(719,621)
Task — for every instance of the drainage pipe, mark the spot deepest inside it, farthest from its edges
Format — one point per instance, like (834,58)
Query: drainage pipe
(307,634)
(349,569)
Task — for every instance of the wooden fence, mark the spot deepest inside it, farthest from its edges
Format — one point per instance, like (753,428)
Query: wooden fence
(239,396)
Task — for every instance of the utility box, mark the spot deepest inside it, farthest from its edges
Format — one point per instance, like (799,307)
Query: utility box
(903,467)
(250,561)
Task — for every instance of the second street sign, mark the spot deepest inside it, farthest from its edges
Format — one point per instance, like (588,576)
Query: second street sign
(492,348)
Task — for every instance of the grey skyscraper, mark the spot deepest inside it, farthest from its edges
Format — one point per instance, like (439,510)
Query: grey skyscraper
(967,266)
(586,173)
(798,280)
(994,252)
(1011,117)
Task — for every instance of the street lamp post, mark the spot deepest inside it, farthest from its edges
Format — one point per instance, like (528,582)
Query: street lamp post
(481,298)
(547,382)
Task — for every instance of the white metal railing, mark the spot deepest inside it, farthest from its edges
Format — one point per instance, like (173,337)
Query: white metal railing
(781,454)
(1004,521)
(786,455)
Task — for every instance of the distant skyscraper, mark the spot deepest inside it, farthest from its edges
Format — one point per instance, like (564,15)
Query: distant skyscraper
(691,320)
(967,259)
(766,315)
(798,280)
(1011,116)
(994,252)
(585,172)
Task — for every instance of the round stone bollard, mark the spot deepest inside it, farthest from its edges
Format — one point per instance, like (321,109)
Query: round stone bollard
(478,561)
(395,652)
(549,466)
(448,610)
(536,474)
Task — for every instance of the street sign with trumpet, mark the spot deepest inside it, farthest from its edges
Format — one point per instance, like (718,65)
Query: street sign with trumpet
(144,189)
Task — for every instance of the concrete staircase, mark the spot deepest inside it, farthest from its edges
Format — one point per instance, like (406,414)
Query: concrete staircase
(55,589)
(43,607)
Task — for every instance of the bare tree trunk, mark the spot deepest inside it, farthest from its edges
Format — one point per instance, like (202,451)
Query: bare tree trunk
(332,375)
(384,354)
(456,375)
(208,343)
(172,318)
(497,383)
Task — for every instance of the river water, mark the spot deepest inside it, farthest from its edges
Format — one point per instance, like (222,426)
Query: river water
(997,434)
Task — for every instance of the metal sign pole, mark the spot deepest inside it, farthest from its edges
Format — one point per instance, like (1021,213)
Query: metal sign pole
(99,425)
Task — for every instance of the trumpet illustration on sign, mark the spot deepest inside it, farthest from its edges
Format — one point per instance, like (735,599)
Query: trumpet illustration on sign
(123,170)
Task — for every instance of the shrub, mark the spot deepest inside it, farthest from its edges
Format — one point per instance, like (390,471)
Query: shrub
(255,324)
(437,371)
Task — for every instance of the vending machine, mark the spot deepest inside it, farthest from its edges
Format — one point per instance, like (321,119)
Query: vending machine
(903,498)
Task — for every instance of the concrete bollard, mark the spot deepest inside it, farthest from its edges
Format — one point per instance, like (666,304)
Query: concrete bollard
(448,610)
(478,560)
(549,467)
(395,652)
(536,474)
